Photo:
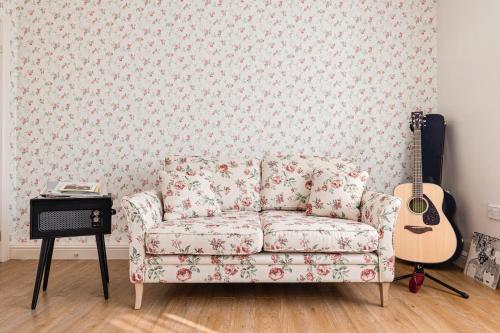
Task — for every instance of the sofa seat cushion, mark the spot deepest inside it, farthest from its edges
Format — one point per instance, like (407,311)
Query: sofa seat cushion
(292,231)
(226,234)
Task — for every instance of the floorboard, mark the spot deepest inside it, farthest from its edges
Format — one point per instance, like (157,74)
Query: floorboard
(74,303)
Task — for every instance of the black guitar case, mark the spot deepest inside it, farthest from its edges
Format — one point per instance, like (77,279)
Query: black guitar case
(433,148)
(433,136)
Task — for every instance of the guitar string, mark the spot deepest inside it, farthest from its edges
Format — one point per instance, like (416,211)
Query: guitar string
(419,202)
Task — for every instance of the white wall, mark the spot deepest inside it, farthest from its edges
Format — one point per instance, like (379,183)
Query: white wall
(469,97)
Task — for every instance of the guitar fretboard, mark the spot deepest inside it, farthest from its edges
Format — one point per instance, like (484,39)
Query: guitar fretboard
(417,164)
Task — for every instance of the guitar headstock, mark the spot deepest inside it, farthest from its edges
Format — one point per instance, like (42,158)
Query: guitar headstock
(417,121)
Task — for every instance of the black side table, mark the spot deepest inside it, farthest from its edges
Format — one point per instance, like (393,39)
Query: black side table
(69,217)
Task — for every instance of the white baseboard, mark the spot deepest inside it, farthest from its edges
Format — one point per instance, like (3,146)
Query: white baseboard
(78,252)
(86,252)
(461,260)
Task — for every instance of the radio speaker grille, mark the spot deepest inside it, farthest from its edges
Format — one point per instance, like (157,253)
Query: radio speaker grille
(65,219)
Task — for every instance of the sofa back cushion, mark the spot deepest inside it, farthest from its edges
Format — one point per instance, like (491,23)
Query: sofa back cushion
(286,180)
(336,194)
(188,194)
(236,181)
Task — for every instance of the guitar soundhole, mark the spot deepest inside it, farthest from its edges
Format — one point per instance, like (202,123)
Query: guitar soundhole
(418,205)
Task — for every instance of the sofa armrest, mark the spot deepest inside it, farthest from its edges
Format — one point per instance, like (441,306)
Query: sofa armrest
(380,211)
(143,210)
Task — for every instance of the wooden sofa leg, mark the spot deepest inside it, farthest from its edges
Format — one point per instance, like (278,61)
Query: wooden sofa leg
(384,293)
(139,287)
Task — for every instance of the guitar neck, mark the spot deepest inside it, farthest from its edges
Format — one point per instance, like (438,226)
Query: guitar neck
(417,164)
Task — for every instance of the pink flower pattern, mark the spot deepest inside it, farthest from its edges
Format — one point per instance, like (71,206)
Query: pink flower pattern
(232,232)
(291,231)
(336,194)
(235,183)
(121,84)
(184,274)
(188,194)
(380,211)
(287,180)
(144,213)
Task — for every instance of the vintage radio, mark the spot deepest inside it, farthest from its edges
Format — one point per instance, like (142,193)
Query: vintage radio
(72,216)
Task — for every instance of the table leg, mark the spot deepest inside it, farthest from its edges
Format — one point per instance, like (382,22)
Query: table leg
(39,273)
(100,251)
(47,264)
(105,257)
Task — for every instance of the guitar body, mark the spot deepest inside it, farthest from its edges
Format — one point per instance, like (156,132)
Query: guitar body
(425,235)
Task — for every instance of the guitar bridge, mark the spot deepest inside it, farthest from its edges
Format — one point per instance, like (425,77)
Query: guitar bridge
(417,230)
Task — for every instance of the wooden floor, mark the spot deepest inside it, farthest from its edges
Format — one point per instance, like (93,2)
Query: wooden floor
(74,303)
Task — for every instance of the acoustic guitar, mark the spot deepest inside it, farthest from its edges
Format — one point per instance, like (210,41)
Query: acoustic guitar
(424,232)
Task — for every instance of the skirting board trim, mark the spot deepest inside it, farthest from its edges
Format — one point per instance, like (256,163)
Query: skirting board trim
(461,260)
(85,252)
(78,252)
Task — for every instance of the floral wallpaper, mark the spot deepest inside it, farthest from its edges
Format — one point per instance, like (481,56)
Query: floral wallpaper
(103,90)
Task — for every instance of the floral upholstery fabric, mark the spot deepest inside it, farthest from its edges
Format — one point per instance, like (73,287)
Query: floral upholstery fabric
(281,271)
(291,231)
(380,211)
(336,194)
(236,182)
(265,258)
(229,233)
(188,194)
(286,180)
(143,211)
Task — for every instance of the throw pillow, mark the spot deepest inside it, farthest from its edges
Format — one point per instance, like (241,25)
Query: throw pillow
(188,194)
(286,179)
(237,184)
(236,181)
(336,194)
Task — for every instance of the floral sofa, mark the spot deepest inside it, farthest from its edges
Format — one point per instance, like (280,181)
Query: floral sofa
(262,232)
